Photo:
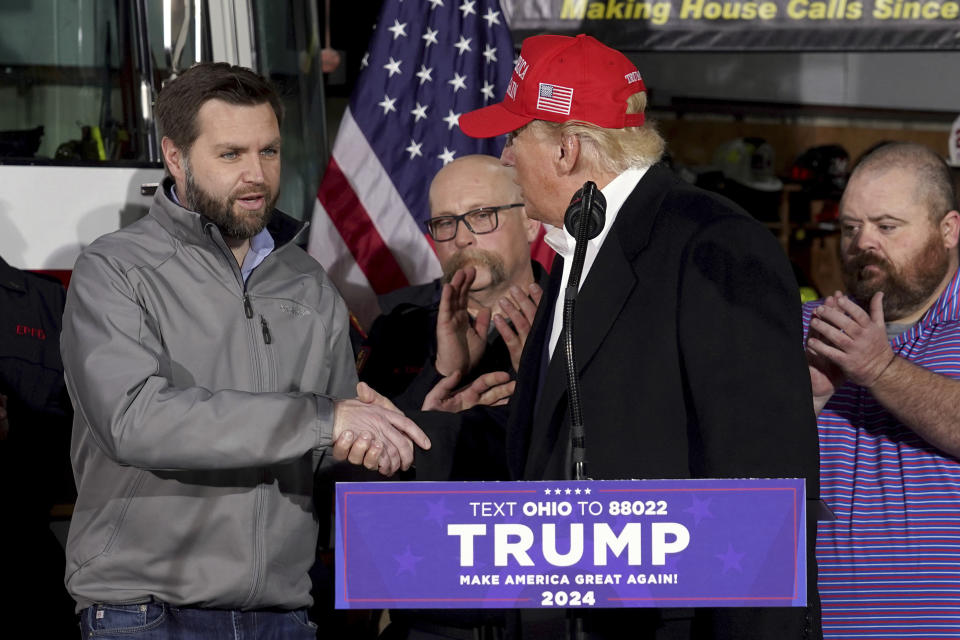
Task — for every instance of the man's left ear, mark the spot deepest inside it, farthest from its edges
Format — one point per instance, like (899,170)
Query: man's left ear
(950,228)
(173,158)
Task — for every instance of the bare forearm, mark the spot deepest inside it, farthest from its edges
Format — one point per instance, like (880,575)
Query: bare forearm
(923,400)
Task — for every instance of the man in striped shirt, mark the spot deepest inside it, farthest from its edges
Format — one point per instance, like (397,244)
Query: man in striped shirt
(885,367)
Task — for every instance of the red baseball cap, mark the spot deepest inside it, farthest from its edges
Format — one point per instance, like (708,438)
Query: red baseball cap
(561,78)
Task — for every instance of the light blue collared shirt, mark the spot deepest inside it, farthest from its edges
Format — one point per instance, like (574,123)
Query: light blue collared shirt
(261,245)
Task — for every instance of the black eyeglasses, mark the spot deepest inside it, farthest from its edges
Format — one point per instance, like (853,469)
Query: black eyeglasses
(478,221)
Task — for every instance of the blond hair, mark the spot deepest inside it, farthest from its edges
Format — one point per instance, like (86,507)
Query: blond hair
(616,150)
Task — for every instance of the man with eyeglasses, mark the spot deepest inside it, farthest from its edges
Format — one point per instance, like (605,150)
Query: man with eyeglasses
(478,225)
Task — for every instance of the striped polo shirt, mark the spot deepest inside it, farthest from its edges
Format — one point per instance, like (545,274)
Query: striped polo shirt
(890,563)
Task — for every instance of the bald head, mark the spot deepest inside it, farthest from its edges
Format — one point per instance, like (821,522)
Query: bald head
(485,171)
(933,182)
(502,256)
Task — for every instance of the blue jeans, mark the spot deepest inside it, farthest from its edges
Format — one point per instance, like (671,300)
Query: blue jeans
(160,621)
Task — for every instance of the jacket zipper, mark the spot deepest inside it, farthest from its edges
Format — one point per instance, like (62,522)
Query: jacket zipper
(258,569)
(255,588)
(257,585)
(267,338)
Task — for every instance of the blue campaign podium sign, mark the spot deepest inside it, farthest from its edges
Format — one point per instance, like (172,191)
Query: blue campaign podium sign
(615,543)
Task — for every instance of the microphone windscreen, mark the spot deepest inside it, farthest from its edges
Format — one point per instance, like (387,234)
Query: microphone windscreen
(595,216)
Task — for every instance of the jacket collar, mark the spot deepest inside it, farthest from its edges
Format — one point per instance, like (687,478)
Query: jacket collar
(190,226)
(11,278)
(633,229)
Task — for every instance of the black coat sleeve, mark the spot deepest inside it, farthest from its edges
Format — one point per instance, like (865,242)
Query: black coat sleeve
(469,445)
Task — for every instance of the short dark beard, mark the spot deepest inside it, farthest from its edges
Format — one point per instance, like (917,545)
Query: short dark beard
(476,257)
(905,289)
(220,211)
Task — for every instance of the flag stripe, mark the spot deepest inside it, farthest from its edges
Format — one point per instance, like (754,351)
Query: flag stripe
(386,208)
(328,247)
(358,231)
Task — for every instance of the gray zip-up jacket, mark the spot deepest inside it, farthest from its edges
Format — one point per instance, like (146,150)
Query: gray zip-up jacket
(202,409)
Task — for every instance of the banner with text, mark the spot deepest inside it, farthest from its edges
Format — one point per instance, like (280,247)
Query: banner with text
(738,25)
(629,543)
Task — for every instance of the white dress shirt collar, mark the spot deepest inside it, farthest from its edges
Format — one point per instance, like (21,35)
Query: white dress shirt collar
(560,240)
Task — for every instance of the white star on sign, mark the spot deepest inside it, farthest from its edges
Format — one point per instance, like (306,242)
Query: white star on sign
(398,29)
(419,113)
(577,491)
(490,53)
(452,120)
(567,491)
(387,104)
(414,149)
(467,7)
(424,74)
(487,91)
(586,491)
(435,3)
(430,36)
(492,17)
(458,82)
(393,66)
(463,45)
(546,491)
(446,156)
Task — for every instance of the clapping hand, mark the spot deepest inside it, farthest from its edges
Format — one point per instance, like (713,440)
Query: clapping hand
(520,307)
(490,389)
(460,342)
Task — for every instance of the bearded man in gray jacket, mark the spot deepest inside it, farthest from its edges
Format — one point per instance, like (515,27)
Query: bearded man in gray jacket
(208,360)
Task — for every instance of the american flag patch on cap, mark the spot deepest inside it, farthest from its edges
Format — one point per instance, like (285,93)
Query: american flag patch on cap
(554,98)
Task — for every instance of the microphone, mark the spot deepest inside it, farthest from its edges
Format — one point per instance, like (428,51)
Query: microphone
(584,220)
(587,198)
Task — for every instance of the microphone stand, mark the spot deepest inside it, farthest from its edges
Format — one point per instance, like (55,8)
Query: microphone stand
(577,431)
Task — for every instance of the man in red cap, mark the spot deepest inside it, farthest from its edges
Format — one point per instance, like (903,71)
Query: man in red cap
(687,322)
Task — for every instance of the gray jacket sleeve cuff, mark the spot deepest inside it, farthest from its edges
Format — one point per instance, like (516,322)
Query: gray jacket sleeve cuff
(325,408)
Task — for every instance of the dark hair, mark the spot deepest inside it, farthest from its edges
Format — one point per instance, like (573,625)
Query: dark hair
(180,100)
(934,180)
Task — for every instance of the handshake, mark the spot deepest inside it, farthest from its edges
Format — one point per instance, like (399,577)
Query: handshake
(371,431)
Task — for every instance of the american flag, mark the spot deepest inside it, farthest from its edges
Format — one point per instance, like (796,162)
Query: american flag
(429,61)
(555,98)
